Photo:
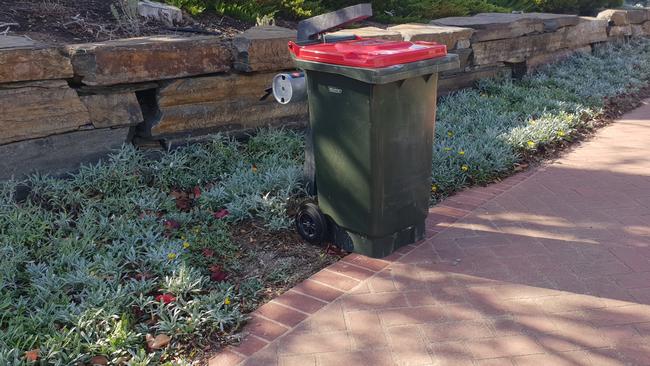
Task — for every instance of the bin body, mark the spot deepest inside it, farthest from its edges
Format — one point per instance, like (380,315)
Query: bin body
(373,141)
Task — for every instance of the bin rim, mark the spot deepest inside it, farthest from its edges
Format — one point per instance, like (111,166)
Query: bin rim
(388,74)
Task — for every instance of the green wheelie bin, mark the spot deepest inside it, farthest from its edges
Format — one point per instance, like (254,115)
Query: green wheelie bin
(372,106)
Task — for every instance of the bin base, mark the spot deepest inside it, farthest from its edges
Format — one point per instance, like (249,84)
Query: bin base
(384,246)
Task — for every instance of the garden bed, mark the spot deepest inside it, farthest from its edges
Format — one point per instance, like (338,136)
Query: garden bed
(158,259)
(79,21)
(180,247)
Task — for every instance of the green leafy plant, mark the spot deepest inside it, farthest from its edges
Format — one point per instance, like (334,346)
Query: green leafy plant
(481,133)
(92,264)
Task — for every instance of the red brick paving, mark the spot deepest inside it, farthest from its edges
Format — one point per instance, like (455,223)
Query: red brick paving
(548,267)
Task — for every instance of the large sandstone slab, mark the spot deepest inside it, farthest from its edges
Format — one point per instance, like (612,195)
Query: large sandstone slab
(638,16)
(218,103)
(449,36)
(112,110)
(59,154)
(620,31)
(142,59)
(37,109)
(370,32)
(641,30)
(588,31)
(516,50)
(615,17)
(494,26)
(22,59)
(553,22)
(263,48)
(535,62)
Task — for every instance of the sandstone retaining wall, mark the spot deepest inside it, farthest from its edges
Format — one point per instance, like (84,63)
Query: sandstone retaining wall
(61,106)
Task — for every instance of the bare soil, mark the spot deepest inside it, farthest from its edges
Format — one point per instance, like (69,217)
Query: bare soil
(79,21)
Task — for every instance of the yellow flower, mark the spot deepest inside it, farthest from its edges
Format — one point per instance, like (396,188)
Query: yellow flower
(531,144)
(450,133)
(197,230)
(227,301)
(560,133)
(171,256)
(434,188)
(462,152)
(447,149)
(464,168)
(186,245)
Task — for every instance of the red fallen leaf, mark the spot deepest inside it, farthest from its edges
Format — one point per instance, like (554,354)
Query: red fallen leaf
(171,224)
(33,355)
(183,204)
(209,253)
(217,274)
(221,214)
(197,192)
(214,268)
(166,298)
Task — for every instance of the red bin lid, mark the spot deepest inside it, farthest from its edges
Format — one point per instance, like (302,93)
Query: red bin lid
(368,53)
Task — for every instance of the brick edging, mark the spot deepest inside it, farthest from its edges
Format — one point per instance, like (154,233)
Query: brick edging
(287,311)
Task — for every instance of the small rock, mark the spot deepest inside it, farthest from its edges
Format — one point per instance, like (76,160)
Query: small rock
(167,14)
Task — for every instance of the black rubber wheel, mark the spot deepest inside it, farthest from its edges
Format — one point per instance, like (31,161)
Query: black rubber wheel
(311,224)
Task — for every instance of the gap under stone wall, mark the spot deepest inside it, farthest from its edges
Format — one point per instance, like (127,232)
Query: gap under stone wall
(62,106)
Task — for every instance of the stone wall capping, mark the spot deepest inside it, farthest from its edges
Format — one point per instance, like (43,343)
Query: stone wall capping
(449,36)
(494,26)
(615,17)
(638,16)
(151,58)
(371,32)
(263,48)
(23,59)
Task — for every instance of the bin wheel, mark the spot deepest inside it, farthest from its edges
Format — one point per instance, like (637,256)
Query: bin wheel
(311,224)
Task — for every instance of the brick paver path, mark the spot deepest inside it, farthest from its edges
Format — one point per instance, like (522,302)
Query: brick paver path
(552,268)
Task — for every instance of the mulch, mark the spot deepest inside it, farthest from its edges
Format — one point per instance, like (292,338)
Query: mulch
(80,21)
